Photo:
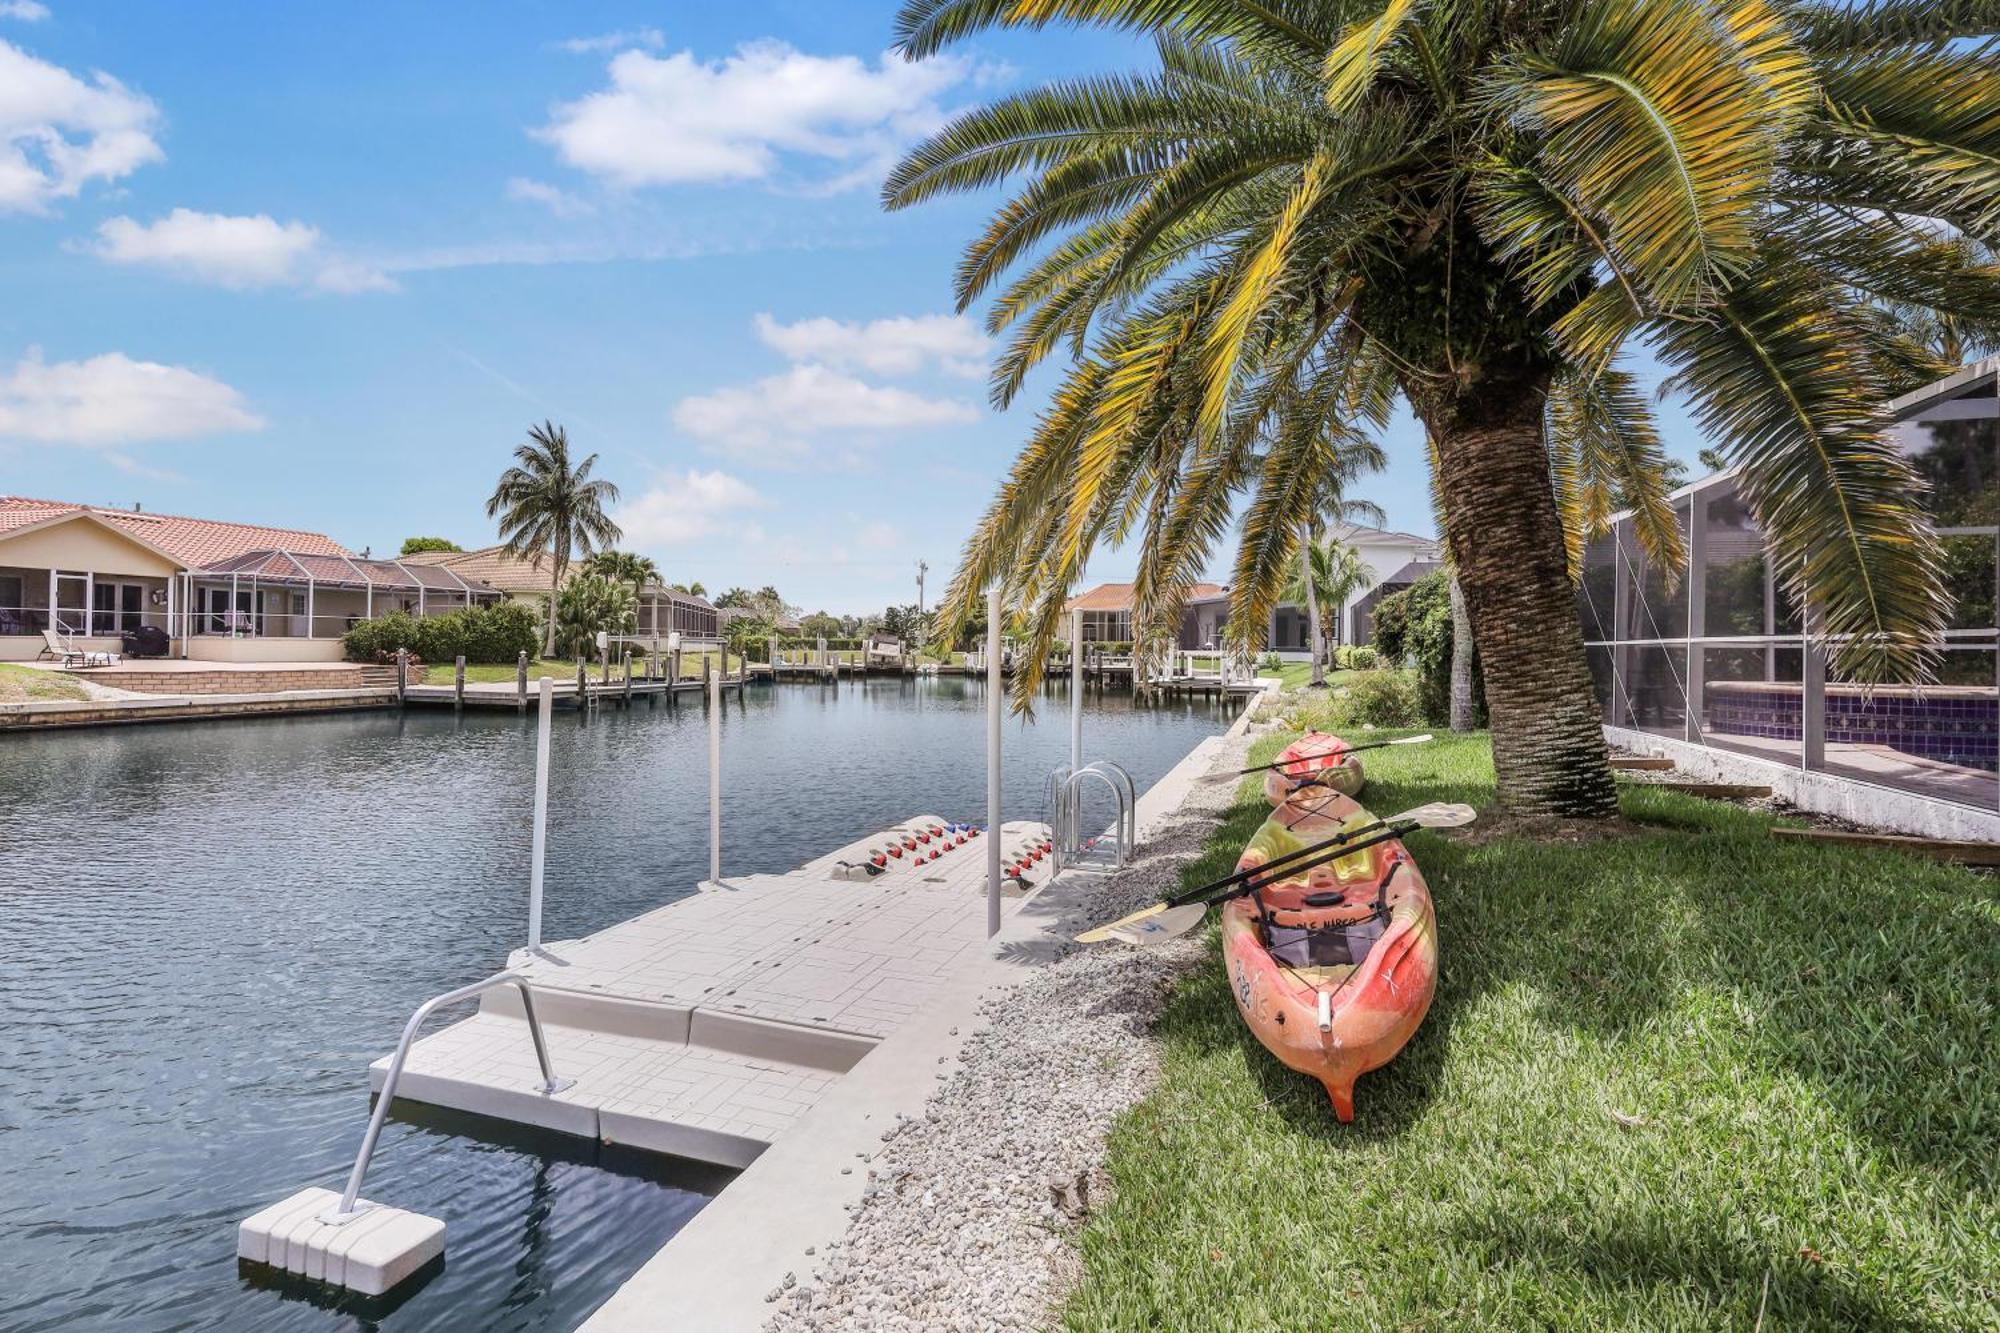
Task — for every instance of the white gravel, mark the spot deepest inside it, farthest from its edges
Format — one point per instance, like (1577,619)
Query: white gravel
(966,1219)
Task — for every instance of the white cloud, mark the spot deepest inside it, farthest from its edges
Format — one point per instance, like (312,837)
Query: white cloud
(675,119)
(559,202)
(111,400)
(237,252)
(681,507)
(27,11)
(58,132)
(790,417)
(650,38)
(902,345)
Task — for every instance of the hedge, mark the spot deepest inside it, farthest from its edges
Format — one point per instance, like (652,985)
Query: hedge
(493,635)
(1414,625)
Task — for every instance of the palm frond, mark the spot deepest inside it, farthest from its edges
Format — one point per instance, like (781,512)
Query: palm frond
(1777,377)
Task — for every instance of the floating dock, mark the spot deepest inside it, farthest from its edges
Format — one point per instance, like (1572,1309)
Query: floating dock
(707,1027)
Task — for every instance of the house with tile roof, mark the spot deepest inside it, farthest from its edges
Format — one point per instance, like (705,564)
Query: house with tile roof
(1394,560)
(213,590)
(662,610)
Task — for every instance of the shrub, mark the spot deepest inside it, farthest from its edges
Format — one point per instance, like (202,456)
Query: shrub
(486,634)
(1383,699)
(1414,625)
(590,604)
(1361,658)
(1270,662)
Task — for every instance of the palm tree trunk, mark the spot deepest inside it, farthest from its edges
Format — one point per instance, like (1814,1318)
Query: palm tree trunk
(1312,606)
(1507,543)
(1461,660)
(557,561)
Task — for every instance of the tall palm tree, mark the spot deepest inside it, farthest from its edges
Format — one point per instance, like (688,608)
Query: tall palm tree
(547,507)
(1312,207)
(1332,572)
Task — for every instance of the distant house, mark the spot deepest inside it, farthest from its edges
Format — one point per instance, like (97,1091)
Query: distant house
(220,591)
(1395,560)
(662,610)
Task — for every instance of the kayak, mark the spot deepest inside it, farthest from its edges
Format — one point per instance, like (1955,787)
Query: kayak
(1332,967)
(1315,755)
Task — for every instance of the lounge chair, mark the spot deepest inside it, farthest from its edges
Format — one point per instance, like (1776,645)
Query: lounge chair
(69,656)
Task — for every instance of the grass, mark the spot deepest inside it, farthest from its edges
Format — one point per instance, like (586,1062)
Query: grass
(19,684)
(1294,675)
(1691,1077)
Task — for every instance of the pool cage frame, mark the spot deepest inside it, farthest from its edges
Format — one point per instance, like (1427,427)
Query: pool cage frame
(1660,671)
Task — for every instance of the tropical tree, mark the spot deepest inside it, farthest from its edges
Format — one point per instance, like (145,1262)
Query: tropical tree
(1313,207)
(548,507)
(1332,572)
(591,604)
(635,571)
(1334,504)
(418,545)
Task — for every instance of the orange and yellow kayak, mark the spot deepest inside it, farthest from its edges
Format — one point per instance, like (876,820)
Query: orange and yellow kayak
(1333,967)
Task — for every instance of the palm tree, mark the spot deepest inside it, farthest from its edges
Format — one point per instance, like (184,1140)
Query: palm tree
(1333,572)
(1313,207)
(1363,456)
(545,506)
(590,604)
(625,567)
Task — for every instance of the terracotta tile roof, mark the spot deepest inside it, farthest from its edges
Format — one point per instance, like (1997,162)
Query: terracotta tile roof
(197,543)
(1118,596)
(491,565)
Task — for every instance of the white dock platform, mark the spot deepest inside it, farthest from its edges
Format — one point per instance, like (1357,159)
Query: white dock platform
(707,1027)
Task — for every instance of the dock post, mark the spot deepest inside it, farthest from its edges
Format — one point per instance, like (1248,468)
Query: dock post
(582,688)
(995,687)
(521,684)
(458,684)
(541,841)
(627,664)
(714,772)
(402,675)
(1075,691)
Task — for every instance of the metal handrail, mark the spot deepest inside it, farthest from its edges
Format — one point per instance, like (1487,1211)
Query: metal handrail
(551,1085)
(1131,802)
(1066,803)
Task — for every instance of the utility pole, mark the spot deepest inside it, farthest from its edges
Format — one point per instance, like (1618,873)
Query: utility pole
(922,569)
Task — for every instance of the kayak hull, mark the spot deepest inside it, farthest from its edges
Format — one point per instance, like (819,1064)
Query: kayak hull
(1333,1021)
(1318,758)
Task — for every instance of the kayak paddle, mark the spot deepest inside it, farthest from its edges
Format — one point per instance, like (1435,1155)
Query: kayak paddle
(1434,815)
(1306,759)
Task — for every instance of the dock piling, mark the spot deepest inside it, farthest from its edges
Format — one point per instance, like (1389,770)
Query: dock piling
(402,675)
(458,684)
(521,683)
(714,770)
(995,687)
(541,835)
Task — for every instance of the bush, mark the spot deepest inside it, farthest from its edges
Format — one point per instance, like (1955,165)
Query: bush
(1380,698)
(1383,699)
(1414,626)
(591,604)
(484,634)
(1361,658)
(1270,662)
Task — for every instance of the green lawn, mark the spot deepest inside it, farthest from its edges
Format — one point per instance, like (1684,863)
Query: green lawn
(445,673)
(1670,1080)
(19,684)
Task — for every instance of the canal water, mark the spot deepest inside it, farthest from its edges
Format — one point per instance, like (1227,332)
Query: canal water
(210,930)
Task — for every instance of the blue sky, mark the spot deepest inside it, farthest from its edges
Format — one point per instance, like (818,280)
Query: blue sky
(321,266)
